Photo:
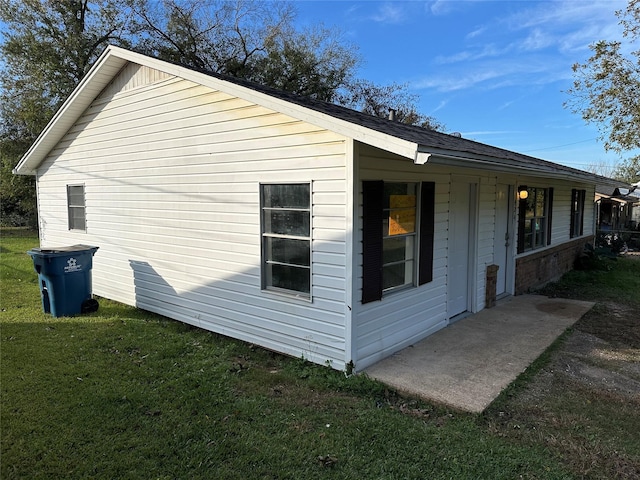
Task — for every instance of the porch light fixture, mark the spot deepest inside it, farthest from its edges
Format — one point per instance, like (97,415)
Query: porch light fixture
(522,192)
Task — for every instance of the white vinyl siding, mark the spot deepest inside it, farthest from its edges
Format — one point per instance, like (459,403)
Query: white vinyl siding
(398,320)
(172,171)
(486,236)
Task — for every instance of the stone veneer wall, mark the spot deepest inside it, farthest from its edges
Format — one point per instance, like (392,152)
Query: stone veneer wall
(542,267)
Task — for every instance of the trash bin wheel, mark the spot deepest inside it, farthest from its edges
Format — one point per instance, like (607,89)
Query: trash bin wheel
(89,306)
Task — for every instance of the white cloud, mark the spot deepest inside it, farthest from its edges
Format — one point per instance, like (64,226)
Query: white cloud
(446,7)
(440,7)
(479,133)
(458,80)
(506,105)
(561,13)
(440,106)
(389,13)
(477,32)
(491,74)
(534,46)
(537,40)
(483,51)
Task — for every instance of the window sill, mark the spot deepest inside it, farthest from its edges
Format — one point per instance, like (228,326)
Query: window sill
(302,298)
(392,291)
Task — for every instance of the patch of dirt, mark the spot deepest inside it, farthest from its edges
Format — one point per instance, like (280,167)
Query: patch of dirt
(601,354)
(614,323)
(597,364)
(584,403)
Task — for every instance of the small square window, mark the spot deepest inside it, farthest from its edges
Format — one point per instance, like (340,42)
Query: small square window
(76,207)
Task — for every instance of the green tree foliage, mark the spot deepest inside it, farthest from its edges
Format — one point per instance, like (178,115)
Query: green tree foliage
(628,171)
(605,91)
(314,62)
(213,35)
(47,47)
(377,100)
(257,41)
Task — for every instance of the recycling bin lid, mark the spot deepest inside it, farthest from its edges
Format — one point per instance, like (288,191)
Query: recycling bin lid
(61,250)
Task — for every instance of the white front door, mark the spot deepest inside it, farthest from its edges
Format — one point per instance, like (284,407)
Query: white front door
(459,281)
(503,238)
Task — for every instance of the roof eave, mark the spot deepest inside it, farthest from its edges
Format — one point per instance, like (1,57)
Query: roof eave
(424,154)
(89,87)
(113,59)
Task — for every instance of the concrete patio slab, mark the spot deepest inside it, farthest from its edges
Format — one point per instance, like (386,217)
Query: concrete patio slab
(467,364)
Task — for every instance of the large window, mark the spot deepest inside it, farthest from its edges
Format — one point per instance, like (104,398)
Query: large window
(286,238)
(75,207)
(534,220)
(397,236)
(577,212)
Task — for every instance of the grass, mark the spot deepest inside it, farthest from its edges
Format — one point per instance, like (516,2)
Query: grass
(614,280)
(122,393)
(581,399)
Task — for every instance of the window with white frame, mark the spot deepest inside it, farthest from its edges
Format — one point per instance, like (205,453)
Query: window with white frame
(286,238)
(76,207)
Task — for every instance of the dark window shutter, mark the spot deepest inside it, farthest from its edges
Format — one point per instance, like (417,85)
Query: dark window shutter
(522,213)
(427,220)
(582,201)
(372,207)
(574,201)
(549,214)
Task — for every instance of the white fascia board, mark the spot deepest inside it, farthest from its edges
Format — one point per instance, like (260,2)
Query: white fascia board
(105,68)
(468,160)
(113,60)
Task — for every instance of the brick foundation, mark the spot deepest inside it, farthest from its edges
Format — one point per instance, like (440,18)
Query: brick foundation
(536,269)
(490,290)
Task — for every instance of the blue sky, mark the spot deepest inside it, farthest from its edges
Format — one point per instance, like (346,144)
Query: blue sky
(495,71)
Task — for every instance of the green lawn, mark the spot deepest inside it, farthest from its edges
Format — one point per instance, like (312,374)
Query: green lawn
(122,393)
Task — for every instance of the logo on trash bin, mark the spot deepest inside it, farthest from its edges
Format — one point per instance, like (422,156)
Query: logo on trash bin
(72,266)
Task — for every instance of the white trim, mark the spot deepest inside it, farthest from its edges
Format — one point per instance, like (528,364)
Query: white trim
(469,160)
(113,59)
(351,215)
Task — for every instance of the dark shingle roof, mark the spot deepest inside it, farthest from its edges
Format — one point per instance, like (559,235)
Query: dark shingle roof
(427,139)
(422,144)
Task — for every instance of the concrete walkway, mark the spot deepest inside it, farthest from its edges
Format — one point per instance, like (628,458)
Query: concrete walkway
(467,364)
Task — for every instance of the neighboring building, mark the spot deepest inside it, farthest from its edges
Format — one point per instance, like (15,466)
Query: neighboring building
(298,225)
(617,206)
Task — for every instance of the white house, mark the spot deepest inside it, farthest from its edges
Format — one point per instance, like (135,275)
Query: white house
(298,225)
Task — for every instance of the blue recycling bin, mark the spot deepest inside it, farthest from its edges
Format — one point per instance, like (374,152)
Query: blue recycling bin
(64,276)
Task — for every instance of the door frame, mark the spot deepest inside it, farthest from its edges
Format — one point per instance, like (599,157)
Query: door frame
(509,222)
(473,185)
